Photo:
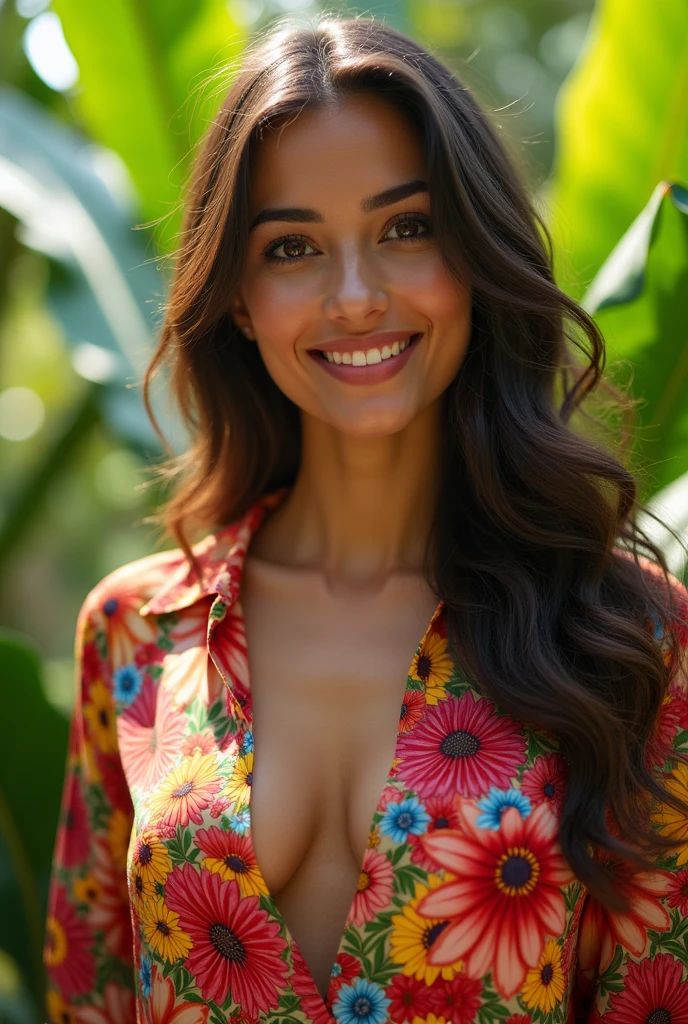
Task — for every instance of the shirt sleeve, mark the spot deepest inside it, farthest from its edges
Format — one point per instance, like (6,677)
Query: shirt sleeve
(634,967)
(88,954)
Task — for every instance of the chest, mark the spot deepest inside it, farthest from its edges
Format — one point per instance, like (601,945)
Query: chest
(327,680)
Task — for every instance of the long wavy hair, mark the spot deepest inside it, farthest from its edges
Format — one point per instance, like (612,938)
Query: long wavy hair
(555,597)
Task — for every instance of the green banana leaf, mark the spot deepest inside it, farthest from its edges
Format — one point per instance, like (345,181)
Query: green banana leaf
(34,745)
(671,504)
(621,127)
(638,299)
(146,88)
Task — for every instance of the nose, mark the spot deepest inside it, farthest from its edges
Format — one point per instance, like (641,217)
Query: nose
(356,294)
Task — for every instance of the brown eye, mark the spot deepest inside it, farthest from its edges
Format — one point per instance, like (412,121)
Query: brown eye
(294,248)
(408,228)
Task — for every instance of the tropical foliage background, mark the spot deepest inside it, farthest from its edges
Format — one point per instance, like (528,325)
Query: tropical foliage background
(100,109)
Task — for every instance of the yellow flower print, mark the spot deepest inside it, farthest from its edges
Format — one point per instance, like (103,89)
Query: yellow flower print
(374,838)
(544,984)
(119,832)
(99,714)
(186,791)
(239,786)
(433,666)
(162,932)
(674,823)
(150,864)
(59,1012)
(86,889)
(56,942)
(430,1019)
(413,937)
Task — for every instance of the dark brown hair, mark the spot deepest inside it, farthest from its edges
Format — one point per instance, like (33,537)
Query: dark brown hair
(535,548)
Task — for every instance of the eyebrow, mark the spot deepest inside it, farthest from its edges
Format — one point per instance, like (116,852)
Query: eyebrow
(294,214)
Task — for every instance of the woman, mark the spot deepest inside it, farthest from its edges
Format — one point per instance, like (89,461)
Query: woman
(368,346)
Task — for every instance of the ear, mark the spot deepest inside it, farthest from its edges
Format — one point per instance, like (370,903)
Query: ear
(240,316)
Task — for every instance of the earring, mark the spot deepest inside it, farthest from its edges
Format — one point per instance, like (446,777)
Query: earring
(248,332)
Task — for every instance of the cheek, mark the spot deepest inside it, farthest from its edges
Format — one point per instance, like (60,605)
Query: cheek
(280,305)
(439,297)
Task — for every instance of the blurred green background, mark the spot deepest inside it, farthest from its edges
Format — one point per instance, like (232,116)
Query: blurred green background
(100,109)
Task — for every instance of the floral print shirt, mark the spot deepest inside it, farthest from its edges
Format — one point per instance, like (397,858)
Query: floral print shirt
(465,909)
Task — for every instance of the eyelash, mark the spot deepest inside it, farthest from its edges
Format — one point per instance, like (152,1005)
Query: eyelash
(399,218)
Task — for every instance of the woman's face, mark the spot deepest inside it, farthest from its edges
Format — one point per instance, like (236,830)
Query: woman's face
(342,259)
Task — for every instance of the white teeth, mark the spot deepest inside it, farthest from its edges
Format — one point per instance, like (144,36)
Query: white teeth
(369,357)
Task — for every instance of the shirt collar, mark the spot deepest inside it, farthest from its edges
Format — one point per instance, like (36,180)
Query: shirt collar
(221,556)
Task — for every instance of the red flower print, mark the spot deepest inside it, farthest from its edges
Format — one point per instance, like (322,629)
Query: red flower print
(374,889)
(203,741)
(601,931)
(412,710)
(409,998)
(519,1018)
(664,734)
(303,985)
(126,629)
(229,647)
(148,654)
(73,841)
(161,1008)
(345,969)
(444,813)
(118,1008)
(110,914)
(390,794)
(461,746)
(653,991)
(677,892)
(457,1000)
(236,947)
(232,856)
(150,735)
(68,956)
(506,896)
(546,780)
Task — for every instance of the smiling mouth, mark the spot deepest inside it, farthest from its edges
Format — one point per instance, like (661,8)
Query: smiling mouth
(370,356)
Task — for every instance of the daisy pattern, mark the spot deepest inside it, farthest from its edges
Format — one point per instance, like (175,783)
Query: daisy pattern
(362,1002)
(674,823)
(150,735)
(654,990)
(601,930)
(404,818)
(496,802)
(507,898)
(127,682)
(462,746)
(232,856)
(414,937)
(544,985)
(467,819)
(374,888)
(161,930)
(68,947)
(412,710)
(433,666)
(235,944)
(186,791)
(546,781)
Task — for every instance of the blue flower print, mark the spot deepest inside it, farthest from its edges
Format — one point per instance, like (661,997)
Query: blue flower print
(247,745)
(127,683)
(407,816)
(145,976)
(240,822)
(363,1002)
(496,802)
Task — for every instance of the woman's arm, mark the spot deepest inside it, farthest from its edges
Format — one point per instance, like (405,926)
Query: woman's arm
(88,951)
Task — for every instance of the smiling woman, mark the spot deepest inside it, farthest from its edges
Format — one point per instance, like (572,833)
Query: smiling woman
(403,737)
